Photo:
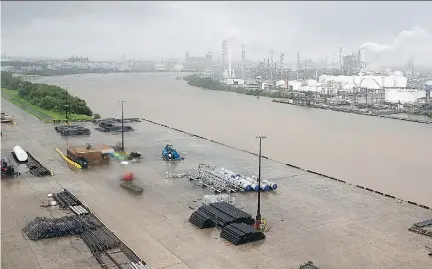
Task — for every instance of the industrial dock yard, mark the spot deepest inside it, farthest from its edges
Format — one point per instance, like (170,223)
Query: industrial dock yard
(309,217)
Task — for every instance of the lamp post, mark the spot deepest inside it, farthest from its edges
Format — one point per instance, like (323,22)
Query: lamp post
(258,216)
(122,131)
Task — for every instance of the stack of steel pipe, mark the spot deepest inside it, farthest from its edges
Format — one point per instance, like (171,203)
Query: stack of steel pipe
(68,130)
(66,199)
(272,185)
(215,179)
(308,265)
(48,228)
(139,265)
(237,179)
(35,167)
(79,209)
(218,217)
(129,253)
(241,233)
(236,214)
(208,199)
(251,181)
(100,239)
(200,219)
(221,179)
(222,214)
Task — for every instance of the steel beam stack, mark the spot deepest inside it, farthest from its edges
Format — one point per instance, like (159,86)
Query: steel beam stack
(222,214)
(200,219)
(236,214)
(36,168)
(241,233)
(66,199)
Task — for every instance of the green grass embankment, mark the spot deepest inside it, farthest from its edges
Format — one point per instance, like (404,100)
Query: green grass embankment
(43,114)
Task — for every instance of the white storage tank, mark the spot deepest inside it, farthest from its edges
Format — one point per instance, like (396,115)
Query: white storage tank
(20,154)
(400,82)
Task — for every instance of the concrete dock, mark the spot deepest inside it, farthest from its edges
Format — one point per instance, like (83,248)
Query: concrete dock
(310,217)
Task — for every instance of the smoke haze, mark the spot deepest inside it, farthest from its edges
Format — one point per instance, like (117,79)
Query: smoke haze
(160,30)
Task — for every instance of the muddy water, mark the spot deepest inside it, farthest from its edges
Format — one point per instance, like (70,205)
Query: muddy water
(384,154)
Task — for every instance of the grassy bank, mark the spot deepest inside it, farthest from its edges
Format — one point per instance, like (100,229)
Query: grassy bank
(47,102)
(211,84)
(43,114)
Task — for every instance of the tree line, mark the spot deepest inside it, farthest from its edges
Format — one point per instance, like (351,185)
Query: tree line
(48,97)
(212,84)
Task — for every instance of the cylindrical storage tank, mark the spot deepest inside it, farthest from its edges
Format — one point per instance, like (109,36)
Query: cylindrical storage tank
(401,82)
(389,82)
(20,154)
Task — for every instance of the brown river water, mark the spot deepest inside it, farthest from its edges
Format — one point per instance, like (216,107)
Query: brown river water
(387,155)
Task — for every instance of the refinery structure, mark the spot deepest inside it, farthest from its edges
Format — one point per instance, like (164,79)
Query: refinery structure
(345,79)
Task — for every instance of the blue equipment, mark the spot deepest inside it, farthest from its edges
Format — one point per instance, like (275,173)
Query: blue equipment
(170,154)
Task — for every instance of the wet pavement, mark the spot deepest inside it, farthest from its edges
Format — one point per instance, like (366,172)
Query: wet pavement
(310,217)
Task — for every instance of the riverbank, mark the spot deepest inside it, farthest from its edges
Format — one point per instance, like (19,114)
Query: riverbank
(46,102)
(369,151)
(353,110)
(212,84)
(40,113)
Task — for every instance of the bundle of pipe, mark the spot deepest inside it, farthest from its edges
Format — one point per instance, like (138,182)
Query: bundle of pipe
(246,180)
(139,265)
(67,225)
(241,233)
(217,179)
(272,185)
(241,182)
(100,239)
(252,181)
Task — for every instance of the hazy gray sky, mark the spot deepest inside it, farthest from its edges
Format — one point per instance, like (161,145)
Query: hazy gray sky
(152,30)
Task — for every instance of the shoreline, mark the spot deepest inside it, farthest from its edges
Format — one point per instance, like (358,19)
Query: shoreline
(284,99)
(383,193)
(101,73)
(293,166)
(358,112)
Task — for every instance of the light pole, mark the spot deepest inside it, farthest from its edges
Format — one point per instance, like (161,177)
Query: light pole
(258,216)
(122,131)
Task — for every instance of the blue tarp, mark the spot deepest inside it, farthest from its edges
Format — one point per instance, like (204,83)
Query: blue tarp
(169,150)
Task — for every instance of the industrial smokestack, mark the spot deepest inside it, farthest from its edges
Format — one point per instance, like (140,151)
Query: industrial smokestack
(229,63)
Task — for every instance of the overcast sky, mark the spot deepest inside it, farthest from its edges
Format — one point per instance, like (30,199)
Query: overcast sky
(152,30)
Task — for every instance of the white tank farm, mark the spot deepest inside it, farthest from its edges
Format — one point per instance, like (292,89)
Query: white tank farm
(20,154)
